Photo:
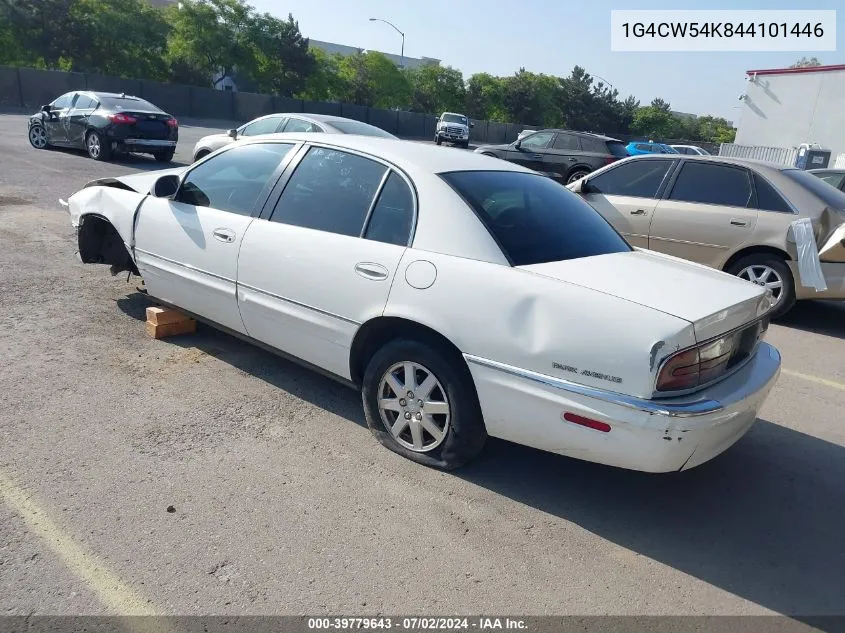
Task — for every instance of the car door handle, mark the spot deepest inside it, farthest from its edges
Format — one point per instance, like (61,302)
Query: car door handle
(537,157)
(224,235)
(572,159)
(369,270)
(736,222)
(638,212)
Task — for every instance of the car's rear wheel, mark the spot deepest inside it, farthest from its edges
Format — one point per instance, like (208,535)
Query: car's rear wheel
(577,175)
(97,148)
(201,154)
(38,136)
(771,272)
(164,156)
(420,402)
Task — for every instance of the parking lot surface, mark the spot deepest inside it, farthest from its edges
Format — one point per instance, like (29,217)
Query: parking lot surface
(200,475)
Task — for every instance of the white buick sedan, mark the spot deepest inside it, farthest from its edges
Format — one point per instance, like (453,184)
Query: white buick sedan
(463,295)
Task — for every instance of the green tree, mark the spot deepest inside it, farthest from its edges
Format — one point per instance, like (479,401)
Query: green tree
(806,63)
(324,82)
(715,130)
(653,121)
(40,32)
(485,97)
(436,89)
(212,37)
(371,79)
(531,99)
(660,104)
(119,37)
(282,59)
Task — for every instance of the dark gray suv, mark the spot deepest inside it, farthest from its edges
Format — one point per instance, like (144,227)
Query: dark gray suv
(564,155)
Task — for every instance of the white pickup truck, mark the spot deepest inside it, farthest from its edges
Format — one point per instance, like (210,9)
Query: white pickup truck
(453,128)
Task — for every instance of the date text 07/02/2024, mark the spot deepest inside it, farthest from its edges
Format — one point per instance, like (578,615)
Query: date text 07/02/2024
(416,623)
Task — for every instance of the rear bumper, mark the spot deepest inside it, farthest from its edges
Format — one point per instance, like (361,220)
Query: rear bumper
(647,435)
(144,142)
(834,276)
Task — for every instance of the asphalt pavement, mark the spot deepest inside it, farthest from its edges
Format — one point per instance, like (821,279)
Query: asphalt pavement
(200,475)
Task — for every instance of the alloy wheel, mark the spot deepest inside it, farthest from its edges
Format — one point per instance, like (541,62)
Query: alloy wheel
(576,176)
(94,148)
(764,276)
(414,407)
(38,137)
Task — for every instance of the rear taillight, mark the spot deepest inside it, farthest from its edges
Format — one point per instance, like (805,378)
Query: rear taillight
(172,123)
(709,361)
(122,118)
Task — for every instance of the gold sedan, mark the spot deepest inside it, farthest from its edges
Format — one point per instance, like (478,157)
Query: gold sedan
(727,213)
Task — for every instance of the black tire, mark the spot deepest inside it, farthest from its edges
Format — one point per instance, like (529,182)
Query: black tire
(97,148)
(201,154)
(37,135)
(164,156)
(786,298)
(577,174)
(465,435)
(465,144)
(438,140)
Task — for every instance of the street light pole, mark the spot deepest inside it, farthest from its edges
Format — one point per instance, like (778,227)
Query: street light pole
(402,56)
(605,81)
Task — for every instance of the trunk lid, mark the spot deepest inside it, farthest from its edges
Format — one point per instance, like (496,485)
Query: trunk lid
(148,125)
(712,301)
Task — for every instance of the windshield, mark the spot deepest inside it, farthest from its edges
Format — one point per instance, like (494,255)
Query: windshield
(454,118)
(356,127)
(535,219)
(829,194)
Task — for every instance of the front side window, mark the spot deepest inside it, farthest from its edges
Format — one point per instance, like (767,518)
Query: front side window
(537,141)
(638,178)
(63,102)
(393,214)
(330,191)
(267,125)
(711,183)
(535,219)
(85,103)
(233,180)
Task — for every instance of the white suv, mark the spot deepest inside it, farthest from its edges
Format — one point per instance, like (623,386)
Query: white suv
(453,128)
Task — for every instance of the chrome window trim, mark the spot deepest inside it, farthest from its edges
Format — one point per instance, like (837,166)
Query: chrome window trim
(672,410)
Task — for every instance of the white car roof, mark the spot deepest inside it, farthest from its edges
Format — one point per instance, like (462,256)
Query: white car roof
(411,156)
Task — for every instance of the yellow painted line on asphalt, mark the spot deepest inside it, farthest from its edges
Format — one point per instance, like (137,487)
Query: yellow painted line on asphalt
(110,589)
(819,381)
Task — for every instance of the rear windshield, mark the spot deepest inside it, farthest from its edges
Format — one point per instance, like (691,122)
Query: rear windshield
(617,149)
(454,118)
(119,104)
(535,219)
(362,129)
(829,194)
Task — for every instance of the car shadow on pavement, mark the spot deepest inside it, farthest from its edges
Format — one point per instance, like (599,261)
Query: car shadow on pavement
(763,521)
(296,380)
(820,317)
(143,162)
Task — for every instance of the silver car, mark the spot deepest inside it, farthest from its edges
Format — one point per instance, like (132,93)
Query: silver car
(287,122)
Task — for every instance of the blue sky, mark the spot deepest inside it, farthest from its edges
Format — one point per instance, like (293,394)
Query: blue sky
(551,36)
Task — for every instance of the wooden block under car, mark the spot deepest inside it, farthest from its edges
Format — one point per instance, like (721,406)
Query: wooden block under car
(188,326)
(163,316)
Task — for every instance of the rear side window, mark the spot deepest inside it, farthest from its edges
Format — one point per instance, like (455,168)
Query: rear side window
(617,149)
(645,148)
(391,219)
(711,183)
(262,126)
(330,191)
(834,179)
(298,125)
(566,142)
(233,180)
(535,219)
(638,178)
(767,198)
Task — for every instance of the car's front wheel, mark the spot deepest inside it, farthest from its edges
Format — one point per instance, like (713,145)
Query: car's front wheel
(420,402)
(577,175)
(38,136)
(97,148)
(771,272)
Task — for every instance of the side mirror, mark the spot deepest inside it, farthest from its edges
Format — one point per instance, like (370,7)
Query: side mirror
(46,108)
(518,145)
(437,119)
(232,133)
(165,186)
(580,186)
(471,124)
